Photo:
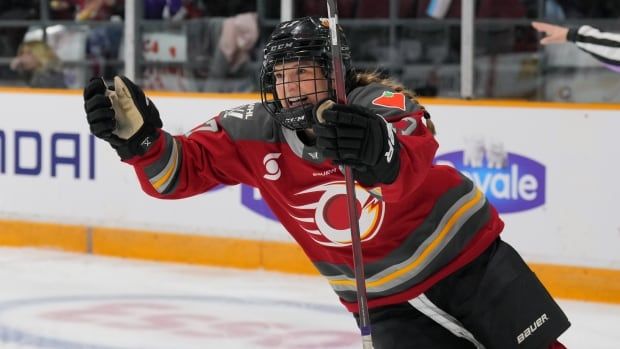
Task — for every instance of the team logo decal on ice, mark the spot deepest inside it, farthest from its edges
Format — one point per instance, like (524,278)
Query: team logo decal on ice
(325,218)
(271,166)
(390,100)
(511,182)
(180,321)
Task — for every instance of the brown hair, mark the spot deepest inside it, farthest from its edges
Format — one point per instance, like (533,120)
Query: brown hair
(367,78)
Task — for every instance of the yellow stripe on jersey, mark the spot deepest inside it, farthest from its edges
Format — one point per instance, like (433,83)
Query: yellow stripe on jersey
(161,181)
(469,208)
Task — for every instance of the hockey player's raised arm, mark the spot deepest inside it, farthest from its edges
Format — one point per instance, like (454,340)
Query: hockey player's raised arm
(167,166)
(185,165)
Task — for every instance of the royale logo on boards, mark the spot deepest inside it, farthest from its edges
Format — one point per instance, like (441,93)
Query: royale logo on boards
(511,182)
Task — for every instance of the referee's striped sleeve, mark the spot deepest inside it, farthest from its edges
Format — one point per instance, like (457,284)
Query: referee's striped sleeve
(603,46)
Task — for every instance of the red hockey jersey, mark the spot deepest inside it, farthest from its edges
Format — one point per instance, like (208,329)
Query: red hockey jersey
(428,223)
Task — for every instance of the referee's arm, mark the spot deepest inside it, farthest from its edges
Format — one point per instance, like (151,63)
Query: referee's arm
(603,46)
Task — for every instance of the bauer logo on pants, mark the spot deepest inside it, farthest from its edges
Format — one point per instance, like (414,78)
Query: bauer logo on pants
(511,182)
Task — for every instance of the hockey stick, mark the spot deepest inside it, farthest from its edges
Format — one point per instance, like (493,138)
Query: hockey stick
(356,244)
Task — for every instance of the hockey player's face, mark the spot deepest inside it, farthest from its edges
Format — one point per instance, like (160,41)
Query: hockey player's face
(299,83)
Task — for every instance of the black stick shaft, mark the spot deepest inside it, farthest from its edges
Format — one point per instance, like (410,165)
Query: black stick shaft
(356,244)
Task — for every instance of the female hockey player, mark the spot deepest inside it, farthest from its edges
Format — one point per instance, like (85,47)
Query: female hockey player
(437,273)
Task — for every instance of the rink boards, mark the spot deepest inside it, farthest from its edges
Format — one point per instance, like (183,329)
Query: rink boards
(551,169)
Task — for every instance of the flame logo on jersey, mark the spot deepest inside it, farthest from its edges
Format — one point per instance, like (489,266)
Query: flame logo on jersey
(327,221)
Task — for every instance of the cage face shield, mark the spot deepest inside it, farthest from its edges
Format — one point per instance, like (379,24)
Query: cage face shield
(296,64)
(296,86)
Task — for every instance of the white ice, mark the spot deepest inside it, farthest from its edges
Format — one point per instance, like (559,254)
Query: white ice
(58,300)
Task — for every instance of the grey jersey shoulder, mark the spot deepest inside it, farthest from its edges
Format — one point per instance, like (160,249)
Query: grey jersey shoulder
(382,100)
(250,122)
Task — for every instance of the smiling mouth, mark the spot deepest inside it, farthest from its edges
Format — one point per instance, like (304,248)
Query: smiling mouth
(296,101)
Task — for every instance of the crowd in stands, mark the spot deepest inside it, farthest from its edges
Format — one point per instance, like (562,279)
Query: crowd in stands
(223,36)
(216,44)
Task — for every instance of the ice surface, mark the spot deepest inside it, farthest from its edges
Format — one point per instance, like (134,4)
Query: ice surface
(51,299)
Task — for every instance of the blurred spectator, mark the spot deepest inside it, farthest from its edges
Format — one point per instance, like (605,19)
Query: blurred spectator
(223,53)
(62,9)
(229,67)
(239,35)
(11,37)
(103,41)
(159,9)
(38,62)
(82,10)
(99,9)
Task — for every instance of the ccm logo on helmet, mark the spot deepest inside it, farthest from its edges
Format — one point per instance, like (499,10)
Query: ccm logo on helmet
(281,46)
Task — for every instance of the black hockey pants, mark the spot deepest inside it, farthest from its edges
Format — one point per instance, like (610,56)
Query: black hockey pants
(495,302)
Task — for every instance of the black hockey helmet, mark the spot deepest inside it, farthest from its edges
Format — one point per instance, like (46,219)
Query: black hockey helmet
(305,40)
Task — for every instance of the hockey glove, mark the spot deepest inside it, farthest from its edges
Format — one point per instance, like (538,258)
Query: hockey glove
(354,136)
(122,116)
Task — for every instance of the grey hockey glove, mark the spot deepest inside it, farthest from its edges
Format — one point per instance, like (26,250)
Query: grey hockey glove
(353,135)
(123,116)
